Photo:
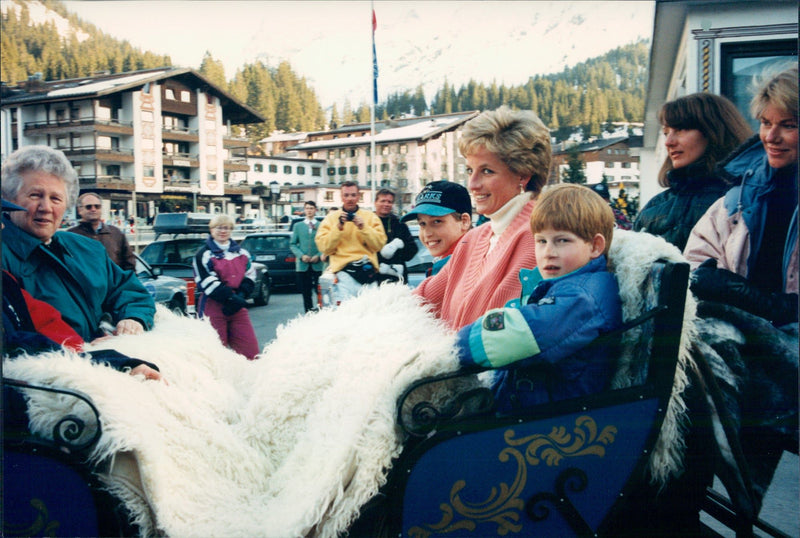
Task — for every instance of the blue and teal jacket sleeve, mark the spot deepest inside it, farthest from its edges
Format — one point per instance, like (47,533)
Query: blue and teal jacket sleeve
(562,316)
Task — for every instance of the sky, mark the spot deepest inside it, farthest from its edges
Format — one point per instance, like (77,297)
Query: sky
(329,42)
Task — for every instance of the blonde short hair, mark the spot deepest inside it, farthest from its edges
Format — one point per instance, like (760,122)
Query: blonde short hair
(221,220)
(518,137)
(780,91)
(573,208)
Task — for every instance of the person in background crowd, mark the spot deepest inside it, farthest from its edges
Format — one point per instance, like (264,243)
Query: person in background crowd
(508,157)
(351,238)
(443,211)
(72,273)
(400,245)
(743,251)
(621,221)
(700,130)
(112,238)
(308,260)
(224,273)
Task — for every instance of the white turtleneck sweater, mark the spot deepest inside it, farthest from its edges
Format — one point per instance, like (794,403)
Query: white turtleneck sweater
(500,219)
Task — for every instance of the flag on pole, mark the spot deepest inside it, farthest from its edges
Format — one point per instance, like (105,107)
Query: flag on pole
(374,61)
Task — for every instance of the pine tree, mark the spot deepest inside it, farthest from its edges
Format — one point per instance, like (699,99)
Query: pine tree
(574,172)
(213,70)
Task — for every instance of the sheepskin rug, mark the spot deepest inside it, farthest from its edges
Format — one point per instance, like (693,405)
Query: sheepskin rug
(294,443)
(291,444)
(630,256)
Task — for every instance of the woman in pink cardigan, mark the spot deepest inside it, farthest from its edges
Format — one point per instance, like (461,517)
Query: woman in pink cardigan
(508,159)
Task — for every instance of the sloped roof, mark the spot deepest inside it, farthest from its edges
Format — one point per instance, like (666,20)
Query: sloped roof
(417,128)
(102,85)
(600,143)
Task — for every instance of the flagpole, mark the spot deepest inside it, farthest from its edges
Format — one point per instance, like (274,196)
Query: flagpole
(374,104)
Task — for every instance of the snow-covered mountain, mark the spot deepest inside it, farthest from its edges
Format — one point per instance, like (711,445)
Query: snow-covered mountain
(418,42)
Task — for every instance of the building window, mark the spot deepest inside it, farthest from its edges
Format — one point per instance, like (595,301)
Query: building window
(626,165)
(170,94)
(609,165)
(741,60)
(301,170)
(185,96)
(273,169)
(384,150)
(316,171)
(342,170)
(329,196)
(258,168)
(331,154)
(403,149)
(331,170)
(287,169)
(385,167)
(352,152)
(354,170)
(62,142)
(342,153)
(444,168)
(212,176)
(148,171)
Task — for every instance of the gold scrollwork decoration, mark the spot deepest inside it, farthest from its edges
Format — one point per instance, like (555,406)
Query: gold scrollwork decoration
(41,525)
(503,505)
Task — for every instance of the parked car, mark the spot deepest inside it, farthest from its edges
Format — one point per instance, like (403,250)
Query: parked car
(173,257)
(170,291)
(272,249)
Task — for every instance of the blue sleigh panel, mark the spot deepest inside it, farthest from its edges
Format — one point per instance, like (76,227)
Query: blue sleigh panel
(557,476)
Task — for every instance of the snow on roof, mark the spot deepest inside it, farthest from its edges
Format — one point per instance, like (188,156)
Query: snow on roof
(415,131)
(104,84)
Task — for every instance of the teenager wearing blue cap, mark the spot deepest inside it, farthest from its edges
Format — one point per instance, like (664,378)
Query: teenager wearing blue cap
(443,211)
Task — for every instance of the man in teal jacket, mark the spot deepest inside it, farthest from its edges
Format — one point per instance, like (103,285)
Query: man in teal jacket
(72,273)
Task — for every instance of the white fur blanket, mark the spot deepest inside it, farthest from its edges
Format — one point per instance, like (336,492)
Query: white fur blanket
(289,445)
(292,444)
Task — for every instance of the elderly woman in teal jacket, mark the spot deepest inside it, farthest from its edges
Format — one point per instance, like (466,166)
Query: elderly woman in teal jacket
(72,273)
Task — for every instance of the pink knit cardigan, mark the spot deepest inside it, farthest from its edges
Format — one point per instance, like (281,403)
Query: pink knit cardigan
(473,281)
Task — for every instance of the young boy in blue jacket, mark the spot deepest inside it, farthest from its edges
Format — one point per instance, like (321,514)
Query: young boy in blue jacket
(567,301)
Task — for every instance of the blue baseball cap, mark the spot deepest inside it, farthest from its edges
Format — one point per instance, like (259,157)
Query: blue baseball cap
(440,198)
(9,206)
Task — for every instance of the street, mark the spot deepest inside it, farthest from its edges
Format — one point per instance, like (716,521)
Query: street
(781,504)
(284,304)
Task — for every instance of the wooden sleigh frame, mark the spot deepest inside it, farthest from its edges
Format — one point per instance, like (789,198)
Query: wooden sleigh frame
(49,488)
(558,469)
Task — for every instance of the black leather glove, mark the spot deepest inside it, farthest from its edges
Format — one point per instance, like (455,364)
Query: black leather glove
(246,288)
(233,304)
(713,284)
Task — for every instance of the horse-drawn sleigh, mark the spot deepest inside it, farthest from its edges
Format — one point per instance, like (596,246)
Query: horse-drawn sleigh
(349,425)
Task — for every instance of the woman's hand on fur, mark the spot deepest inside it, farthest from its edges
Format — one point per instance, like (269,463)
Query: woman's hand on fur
(148,373)
(129,326)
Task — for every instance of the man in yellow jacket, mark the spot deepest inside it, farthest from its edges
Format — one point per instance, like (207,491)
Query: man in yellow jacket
(351,238)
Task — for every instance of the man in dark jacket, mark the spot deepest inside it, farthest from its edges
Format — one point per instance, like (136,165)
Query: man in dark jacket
(92,225)
(400,245)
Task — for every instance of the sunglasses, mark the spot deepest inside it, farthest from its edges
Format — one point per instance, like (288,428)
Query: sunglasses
(92,206)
